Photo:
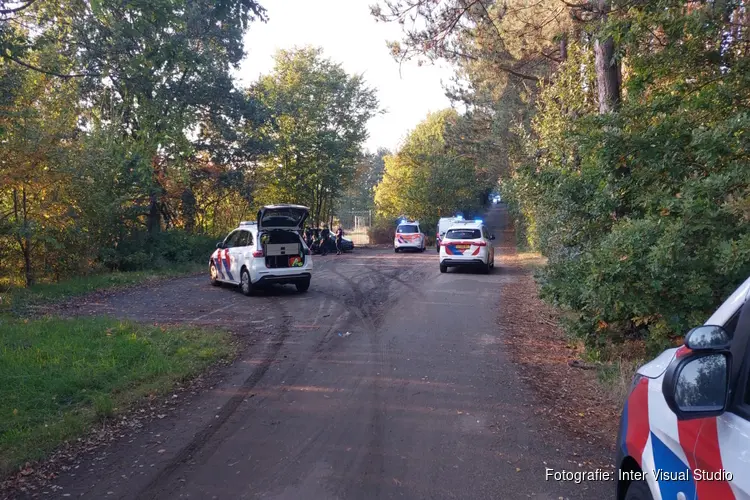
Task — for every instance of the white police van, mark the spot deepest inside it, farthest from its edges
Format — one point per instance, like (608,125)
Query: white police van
(267,251)
(685,428)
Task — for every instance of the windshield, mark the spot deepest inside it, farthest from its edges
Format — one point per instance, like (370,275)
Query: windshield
(407,229)
(463,234)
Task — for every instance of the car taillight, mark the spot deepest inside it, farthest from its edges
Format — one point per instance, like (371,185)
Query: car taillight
(258,253)
(480,244)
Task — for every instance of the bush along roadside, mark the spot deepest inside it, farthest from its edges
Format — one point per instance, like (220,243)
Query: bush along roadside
(62,376)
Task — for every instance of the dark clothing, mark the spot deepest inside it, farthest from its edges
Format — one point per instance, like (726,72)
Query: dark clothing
(339,235)
(325,233)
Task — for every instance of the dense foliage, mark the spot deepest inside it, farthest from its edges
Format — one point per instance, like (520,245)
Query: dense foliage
(126,144)
(624,158)
(644,213)
(316,127)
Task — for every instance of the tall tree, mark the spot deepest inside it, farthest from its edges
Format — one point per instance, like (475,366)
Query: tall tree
(317,125)
(428,178)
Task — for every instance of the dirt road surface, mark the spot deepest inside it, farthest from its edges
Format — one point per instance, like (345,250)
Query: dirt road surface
(387,379)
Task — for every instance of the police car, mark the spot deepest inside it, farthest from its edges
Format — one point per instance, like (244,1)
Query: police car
(409,236)
(269,250)
(685,427)
(467,244)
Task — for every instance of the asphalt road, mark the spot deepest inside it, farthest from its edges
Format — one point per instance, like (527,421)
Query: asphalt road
(387,379)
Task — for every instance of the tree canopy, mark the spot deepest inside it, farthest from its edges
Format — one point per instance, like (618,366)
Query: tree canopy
(317,124)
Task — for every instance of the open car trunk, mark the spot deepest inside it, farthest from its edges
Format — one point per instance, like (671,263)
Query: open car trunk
(282,249)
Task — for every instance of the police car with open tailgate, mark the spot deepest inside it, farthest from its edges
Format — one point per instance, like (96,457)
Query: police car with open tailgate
(467,244)
(269,250)
(685,428)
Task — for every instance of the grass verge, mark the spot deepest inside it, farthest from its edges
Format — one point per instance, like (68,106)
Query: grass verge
(61,376)
(20,300)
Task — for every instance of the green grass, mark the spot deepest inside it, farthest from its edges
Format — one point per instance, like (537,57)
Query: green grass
(20,299)
(60,376)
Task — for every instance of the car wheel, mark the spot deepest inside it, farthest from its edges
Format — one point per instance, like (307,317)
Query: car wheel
(486,269)
(395,250)
(302,286)
(443,269)
(214,275)
(638,490)
(245,284)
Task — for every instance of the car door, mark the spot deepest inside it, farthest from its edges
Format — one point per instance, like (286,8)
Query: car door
(490,246)
(718,448)
(238,251)
(726,442)
(225,257)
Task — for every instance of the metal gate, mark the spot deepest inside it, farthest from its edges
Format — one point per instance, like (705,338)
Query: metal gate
(356,225)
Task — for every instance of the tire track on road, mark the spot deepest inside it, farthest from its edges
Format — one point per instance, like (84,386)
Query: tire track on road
(159,486)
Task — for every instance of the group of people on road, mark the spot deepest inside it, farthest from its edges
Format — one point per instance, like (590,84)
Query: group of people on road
(317,239)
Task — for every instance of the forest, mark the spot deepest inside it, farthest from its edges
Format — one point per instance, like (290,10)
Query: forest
(619,132)
(127,144)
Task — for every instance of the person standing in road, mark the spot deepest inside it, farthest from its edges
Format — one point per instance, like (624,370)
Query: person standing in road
(339,235)
(324,235)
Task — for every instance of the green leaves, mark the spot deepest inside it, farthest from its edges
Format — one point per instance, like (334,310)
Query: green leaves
(317,124)
(428,178)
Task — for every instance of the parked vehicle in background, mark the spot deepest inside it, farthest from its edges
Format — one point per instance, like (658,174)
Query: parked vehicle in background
(685,427)
(442,226)
(347,245)
(467,244)
(269,250)
(409,236)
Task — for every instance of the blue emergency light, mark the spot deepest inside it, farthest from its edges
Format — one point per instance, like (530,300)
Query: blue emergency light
(460,217)
(477,220)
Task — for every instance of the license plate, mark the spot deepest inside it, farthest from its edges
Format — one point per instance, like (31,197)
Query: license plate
(463,247)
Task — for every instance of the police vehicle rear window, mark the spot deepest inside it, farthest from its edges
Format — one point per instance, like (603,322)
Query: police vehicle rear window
(463,234)
(407,229)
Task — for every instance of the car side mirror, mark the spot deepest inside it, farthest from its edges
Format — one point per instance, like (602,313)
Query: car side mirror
(696,384)
(220,245)
(492,237)
(707,338)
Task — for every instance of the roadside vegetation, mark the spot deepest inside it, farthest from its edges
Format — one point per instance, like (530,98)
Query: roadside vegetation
(620,132)
(61,376)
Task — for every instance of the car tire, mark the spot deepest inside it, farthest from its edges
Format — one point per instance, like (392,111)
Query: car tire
(486,269)
(638,490)
(214,275)
(246,285)
(395,250)
(443,269)
(302,286)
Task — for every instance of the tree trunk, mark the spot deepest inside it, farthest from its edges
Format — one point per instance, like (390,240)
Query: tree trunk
(23,237)
(153,223)
(188,209)
(607,68)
